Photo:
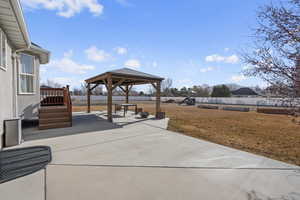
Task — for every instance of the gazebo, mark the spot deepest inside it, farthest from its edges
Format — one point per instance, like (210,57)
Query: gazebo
(123,78)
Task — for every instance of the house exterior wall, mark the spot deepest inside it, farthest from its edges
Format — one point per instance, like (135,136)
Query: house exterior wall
(6,93)
(28,104)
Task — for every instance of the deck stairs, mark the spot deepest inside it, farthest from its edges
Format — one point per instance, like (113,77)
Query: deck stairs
(56,108)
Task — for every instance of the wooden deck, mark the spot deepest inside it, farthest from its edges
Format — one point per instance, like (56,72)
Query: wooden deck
(56,108)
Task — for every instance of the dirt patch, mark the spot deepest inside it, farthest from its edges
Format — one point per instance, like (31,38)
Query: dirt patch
(274,136)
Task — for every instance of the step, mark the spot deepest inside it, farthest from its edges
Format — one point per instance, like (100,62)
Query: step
(54,120)
(55,125)
(53,115)
(53,109)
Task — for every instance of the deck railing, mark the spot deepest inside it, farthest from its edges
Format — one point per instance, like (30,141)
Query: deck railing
(52,96)
(55,96)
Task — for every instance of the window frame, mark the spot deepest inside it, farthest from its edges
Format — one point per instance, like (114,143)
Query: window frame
(27,74)
(2,34)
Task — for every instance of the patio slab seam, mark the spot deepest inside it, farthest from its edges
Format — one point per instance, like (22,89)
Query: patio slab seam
(176,167)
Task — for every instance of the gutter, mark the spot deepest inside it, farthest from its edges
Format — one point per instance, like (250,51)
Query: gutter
(44,54)
(17,9)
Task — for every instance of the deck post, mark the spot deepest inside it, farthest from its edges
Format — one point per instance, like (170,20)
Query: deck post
(158,88)
(109,98)
(127,93)
(89,98)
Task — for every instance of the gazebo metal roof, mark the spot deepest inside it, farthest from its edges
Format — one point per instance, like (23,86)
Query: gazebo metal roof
(132,77)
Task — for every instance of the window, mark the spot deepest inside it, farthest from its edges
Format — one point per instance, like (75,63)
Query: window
(3,47)
(27,75)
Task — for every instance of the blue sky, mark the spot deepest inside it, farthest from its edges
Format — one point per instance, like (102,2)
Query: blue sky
(192,42)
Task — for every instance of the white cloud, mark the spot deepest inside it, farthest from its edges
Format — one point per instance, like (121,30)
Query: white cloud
(154,64)
(66,8)
(226,49)
(121,50)
(232,59)
(66,64)
(95,54)
(132,63)
(214,58)
(68,54)
(62,80)
(207,69)
(218,58)
(73,82)
(237,78)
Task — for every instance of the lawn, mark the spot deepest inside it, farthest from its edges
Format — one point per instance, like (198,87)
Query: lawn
(274,136)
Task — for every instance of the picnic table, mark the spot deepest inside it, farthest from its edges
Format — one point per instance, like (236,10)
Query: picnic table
(126,106)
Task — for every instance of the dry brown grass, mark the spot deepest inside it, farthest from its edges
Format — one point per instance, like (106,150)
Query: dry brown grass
(274,136)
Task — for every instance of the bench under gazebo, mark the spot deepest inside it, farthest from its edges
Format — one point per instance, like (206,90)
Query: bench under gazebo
(123,78)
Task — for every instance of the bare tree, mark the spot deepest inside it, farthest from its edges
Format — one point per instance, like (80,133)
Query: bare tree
(200,91)
(151,91)
(118,92)
(98,90)
(133,92)
(275,56)
(77,92)
(52,84)
(83,88)
(166,86)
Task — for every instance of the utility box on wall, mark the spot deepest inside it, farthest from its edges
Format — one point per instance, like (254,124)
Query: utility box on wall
(12,132)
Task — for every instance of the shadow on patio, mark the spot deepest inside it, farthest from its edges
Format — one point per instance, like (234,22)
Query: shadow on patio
(83,123)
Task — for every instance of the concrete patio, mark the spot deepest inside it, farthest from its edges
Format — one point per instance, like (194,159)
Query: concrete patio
(139,159)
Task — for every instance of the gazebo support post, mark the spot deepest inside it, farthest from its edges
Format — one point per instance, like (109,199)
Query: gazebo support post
(127,94)
(109,98)
(89,98)
(158,88)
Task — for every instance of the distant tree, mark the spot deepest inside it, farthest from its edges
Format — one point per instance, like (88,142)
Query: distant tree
(174,92)
(133,92)
(220,91)
(276,48)
(184,92)
(141,93)
(83,88)
(166,86)
(258,89)
(98,90)
(118,92)
(151,90)
(52,84)
(199,91)
(77,92)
